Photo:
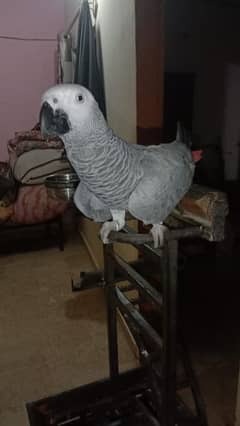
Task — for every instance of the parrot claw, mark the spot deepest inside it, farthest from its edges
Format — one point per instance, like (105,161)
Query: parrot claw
(105,230)
(158,232)
(116,224)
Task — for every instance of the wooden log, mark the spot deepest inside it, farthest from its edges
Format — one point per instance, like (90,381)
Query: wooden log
(203,206)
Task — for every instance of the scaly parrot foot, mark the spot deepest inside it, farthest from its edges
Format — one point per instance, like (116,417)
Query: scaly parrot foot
(116,224)
(105,230)
(158,231)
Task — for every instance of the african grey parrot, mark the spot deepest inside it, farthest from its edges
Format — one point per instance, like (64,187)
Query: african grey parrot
(115,176)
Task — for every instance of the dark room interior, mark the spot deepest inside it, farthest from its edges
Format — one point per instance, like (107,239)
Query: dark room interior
(119,278)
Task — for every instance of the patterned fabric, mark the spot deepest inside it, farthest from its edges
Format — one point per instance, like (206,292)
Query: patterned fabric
(7,188)
(34,205)
(28,140)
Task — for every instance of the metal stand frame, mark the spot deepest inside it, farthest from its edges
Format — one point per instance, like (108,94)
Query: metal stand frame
(150,394)
(158,354)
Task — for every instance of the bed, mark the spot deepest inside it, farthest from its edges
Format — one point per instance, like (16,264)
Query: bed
(24,199)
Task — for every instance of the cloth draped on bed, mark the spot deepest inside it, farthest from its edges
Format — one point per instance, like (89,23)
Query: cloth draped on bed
(23,196)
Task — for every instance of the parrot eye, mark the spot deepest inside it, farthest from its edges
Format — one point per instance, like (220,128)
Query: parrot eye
(79,98)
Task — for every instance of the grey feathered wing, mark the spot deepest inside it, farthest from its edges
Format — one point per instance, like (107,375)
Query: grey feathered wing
(167,175)
(90,205)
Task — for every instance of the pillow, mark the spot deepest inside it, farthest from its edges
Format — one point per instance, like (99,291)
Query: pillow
(32,167)
(34,205)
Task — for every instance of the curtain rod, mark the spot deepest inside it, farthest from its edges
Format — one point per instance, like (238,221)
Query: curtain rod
(69,29)
(93,8)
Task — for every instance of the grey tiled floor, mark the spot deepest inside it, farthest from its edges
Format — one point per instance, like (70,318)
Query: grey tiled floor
(50,339)
(53,340)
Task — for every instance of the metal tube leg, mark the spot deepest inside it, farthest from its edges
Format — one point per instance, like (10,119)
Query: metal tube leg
(111,311)
(198,399)
(169,274)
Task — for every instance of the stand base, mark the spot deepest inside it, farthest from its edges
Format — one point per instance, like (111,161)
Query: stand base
(124,400)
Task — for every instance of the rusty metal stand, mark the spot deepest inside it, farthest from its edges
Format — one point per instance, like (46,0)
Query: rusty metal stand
(150,394)
(158,354)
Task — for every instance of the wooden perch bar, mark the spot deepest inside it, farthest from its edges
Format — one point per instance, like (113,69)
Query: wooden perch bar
(135,238)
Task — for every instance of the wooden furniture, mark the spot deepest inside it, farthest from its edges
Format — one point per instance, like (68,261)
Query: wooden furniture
(19,242)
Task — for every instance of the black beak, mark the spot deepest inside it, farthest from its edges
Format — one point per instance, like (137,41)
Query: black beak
(53,123)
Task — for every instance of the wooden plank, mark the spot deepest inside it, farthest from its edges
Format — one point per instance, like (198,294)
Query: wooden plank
(203,206)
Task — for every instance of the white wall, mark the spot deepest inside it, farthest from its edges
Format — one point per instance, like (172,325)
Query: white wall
(201,37)
(116,23)
(70,9)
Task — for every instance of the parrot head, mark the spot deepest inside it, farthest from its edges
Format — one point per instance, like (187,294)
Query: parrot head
(70,110)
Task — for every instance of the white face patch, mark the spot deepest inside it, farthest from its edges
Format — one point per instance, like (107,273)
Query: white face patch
(75,100)
(76,114)
(70,106)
